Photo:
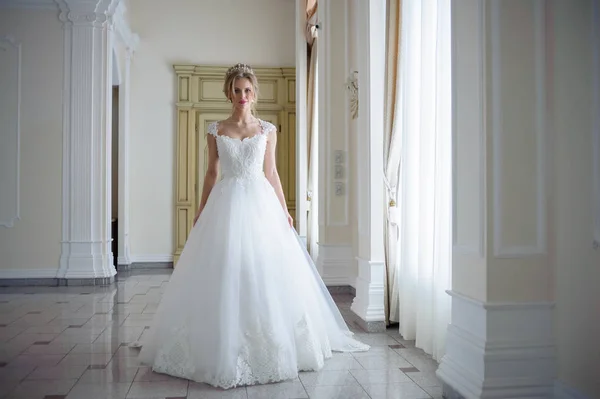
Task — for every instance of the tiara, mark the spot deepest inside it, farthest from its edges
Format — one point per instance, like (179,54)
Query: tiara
(239,69)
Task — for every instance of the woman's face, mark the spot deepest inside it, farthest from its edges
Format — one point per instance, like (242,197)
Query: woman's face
(243,93)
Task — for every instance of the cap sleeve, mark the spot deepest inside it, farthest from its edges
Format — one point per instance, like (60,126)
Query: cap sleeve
(213,128)
(267,127)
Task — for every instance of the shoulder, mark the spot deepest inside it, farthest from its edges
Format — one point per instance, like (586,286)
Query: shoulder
(267,127)
(213,128)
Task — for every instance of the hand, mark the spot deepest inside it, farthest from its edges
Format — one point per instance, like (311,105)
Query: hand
(290,220)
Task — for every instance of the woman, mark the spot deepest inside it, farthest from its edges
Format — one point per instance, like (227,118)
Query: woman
(245,304)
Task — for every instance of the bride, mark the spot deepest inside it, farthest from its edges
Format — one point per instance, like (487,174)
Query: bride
(245,304)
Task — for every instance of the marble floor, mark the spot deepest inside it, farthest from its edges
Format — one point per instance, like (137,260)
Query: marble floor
(71,342)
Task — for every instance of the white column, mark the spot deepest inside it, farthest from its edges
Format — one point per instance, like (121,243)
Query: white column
(335,260)
(130,41)
(301,121)
(84,248)
(500,341)
(124,257)
(370,34)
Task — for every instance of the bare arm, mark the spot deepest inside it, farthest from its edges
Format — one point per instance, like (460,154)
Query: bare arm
(271,170)
(211,173)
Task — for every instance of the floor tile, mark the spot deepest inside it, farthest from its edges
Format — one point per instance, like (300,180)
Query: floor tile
(407,390)
(143,390)
(204,391)
(383,362)
(425,379)
(373,377)
(71,342)
(327,377)
(84,390)
(109,374)
(281,390)
(59,372)
(40,389)
(337,392)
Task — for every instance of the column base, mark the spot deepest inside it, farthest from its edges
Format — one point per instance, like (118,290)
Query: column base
(499,350)
(86,262)
(368,303)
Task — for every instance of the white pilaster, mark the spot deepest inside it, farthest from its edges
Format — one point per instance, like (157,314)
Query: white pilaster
(500,341)
(370,64)
(85,246)
(500,350)
(301,121)
(335,234)
(130,42)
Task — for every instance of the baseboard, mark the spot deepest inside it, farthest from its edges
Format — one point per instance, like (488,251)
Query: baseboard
(336,264)
(563,391)
(46,277)
(151,258)
(42,273)
(499,350)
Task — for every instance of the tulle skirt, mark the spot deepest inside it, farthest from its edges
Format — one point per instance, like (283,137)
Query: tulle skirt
(245,304)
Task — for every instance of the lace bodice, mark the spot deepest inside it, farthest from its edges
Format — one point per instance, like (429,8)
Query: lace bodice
(242,158)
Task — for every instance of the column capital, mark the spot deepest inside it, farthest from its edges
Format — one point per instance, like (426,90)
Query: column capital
(122,29)
(86,12)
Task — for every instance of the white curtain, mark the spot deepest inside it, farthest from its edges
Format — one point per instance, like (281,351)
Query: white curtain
(312,133)
(424,190)
(392,156)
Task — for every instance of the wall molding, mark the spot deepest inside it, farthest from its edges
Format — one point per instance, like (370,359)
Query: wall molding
(151,258)
(596,119)
(29,4)
(475,248)
(11,216)
(487,357)
(501,250)
(39,273)
(336,264)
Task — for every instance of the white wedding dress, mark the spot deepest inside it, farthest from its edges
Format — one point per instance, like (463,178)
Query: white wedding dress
(245,304)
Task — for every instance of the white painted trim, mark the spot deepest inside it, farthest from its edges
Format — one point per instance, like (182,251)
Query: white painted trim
(323,51)
(482,127)
(499,350)
(563,391)
(124,257)
(539,248)
(122,29)
(10,40)
(368,303)
(151,258)
(50,272)
(477,248)
(301,121)
(336,264)
(596,122)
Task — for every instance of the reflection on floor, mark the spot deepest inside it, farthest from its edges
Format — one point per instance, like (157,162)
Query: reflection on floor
(71,342)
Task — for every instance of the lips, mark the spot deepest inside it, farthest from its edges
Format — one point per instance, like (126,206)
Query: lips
(243,102)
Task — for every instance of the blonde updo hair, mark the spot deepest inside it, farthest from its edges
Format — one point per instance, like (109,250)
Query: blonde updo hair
(240,71)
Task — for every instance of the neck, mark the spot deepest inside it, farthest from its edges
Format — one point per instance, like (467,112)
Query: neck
(242,116)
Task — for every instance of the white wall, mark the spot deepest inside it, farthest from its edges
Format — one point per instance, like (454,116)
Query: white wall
(34,242)
(223,32)
(577,263)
